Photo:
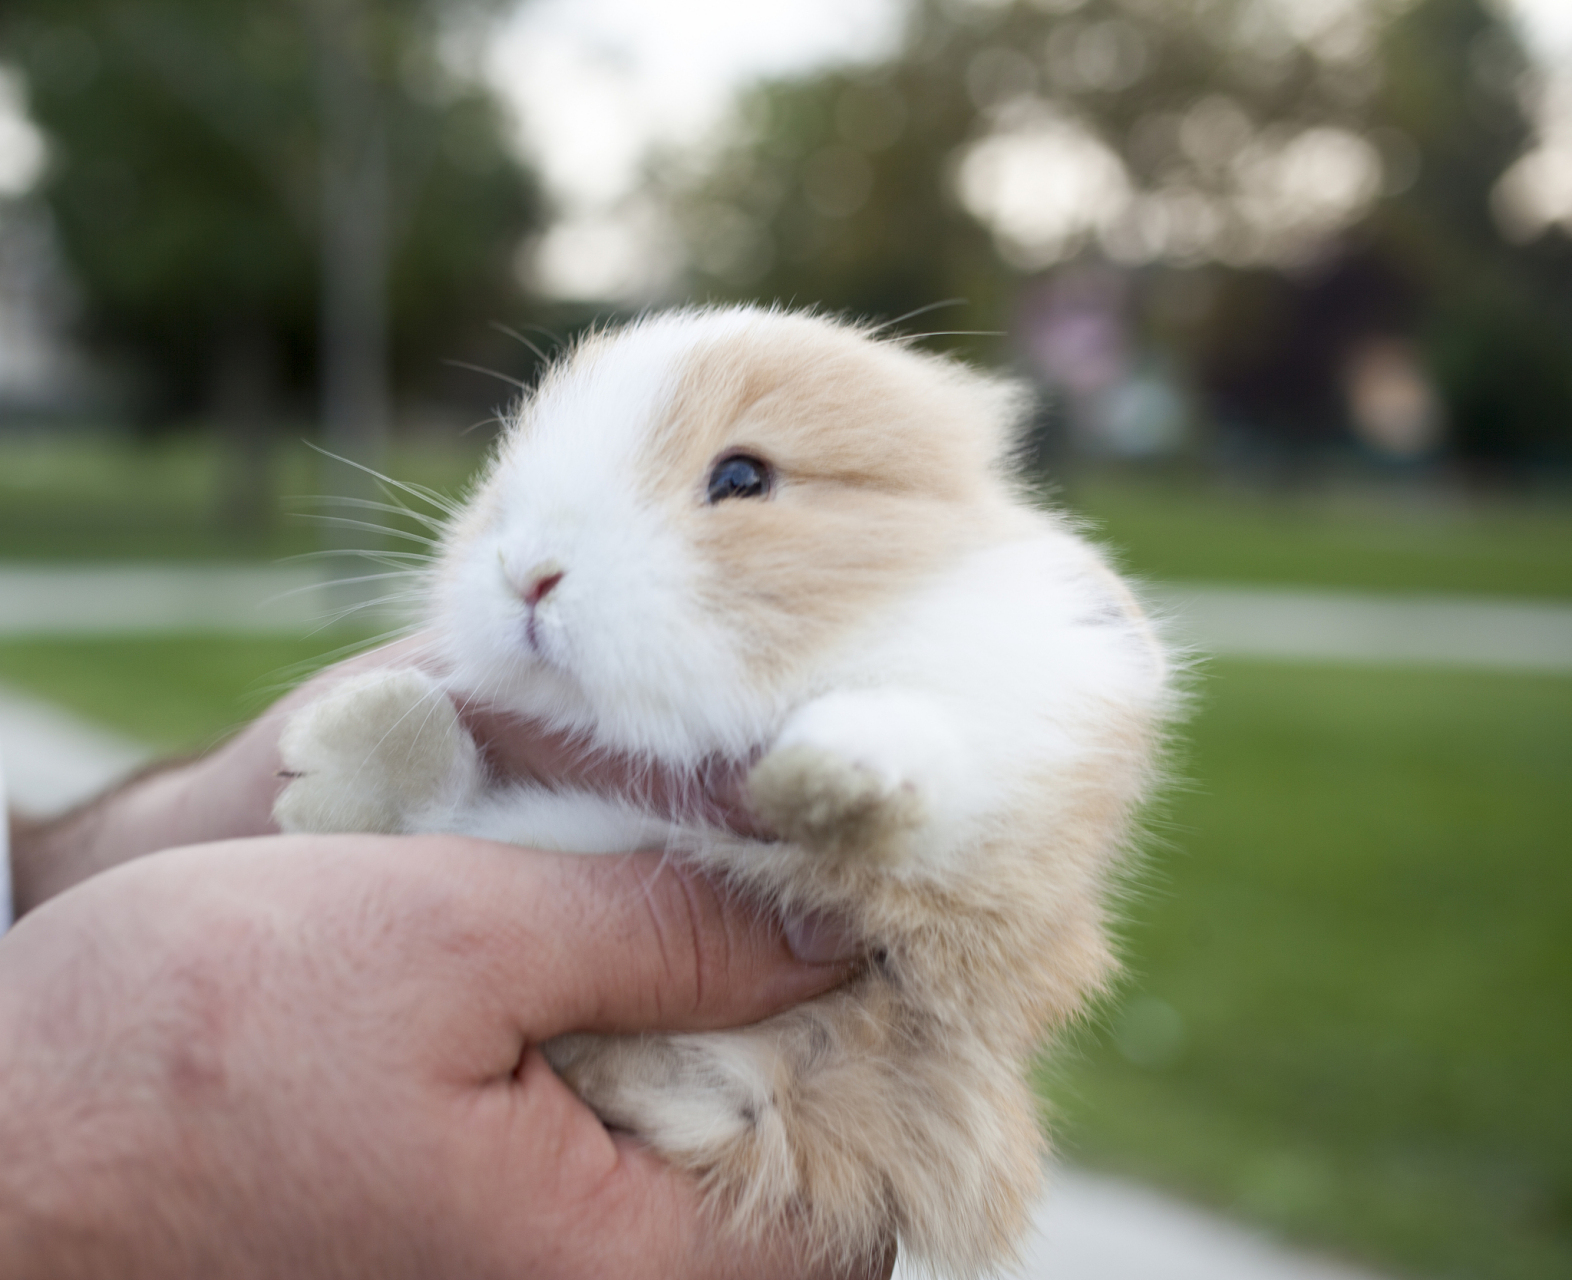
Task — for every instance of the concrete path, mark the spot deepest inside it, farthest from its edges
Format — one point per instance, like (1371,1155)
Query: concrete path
(1258,622)
(1096,1228)
(1089,1228)
(53,759)
(142,598)
(1346,626)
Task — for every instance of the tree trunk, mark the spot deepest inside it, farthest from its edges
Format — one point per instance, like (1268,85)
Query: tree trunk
(353,340)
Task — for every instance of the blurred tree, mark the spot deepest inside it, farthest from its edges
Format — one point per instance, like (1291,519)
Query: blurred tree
(259,194)
(846,187)
(1321,175)
(1493,320)
(834,195)
(1497,323)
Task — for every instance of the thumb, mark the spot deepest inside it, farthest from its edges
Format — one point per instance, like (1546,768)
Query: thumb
(636,942)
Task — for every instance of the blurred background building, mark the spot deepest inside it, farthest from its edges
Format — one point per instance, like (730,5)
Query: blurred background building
(1292,278)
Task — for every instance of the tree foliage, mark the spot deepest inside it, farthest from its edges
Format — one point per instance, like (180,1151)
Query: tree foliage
(850,188)
(184,181)
(843,186)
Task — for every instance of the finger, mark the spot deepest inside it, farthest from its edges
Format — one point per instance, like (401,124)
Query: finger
(473,934)
(633,942)
(513,747)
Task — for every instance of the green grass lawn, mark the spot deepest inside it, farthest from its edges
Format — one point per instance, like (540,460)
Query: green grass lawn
(98,499)
(89,498)
(1350,1003)
(179,693)
(1350,949)
(1372,540)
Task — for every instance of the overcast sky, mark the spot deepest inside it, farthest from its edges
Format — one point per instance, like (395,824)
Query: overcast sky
(595,82)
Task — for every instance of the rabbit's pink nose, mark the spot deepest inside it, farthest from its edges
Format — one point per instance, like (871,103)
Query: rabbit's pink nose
(542,579)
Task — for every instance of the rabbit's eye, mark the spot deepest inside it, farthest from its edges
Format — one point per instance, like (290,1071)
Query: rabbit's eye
(739,476)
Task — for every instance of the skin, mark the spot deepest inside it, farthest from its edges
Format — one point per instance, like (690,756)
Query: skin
(230,1053)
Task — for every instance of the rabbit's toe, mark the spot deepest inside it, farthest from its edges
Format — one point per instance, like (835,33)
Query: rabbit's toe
(377,749)
(814,797)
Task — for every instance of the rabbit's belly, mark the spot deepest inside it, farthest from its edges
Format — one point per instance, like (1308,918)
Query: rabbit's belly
(562,821)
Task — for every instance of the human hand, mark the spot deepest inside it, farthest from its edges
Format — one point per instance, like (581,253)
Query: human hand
(316,1056)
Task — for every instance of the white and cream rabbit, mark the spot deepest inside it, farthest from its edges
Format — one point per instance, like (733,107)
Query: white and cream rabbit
(775,541)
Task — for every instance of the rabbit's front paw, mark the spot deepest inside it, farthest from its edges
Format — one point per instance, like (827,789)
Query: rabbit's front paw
(377,750)
(816,797)
(871,772)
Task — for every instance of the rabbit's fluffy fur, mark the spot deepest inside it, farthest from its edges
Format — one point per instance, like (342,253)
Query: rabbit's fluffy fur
(946,703)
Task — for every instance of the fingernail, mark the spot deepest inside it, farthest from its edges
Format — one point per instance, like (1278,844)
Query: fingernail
(817,939)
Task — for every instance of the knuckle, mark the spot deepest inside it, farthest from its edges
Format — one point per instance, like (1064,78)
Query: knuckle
(685,924)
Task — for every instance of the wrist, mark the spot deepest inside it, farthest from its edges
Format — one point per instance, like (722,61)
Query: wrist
(141,815)
(226,795)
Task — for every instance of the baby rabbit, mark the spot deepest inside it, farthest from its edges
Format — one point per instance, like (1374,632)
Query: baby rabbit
(776,542)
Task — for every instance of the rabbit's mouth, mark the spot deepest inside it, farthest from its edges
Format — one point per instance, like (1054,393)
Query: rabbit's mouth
(542,641)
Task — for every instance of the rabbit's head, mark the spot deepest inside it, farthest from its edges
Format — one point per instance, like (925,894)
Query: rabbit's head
(689,513)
